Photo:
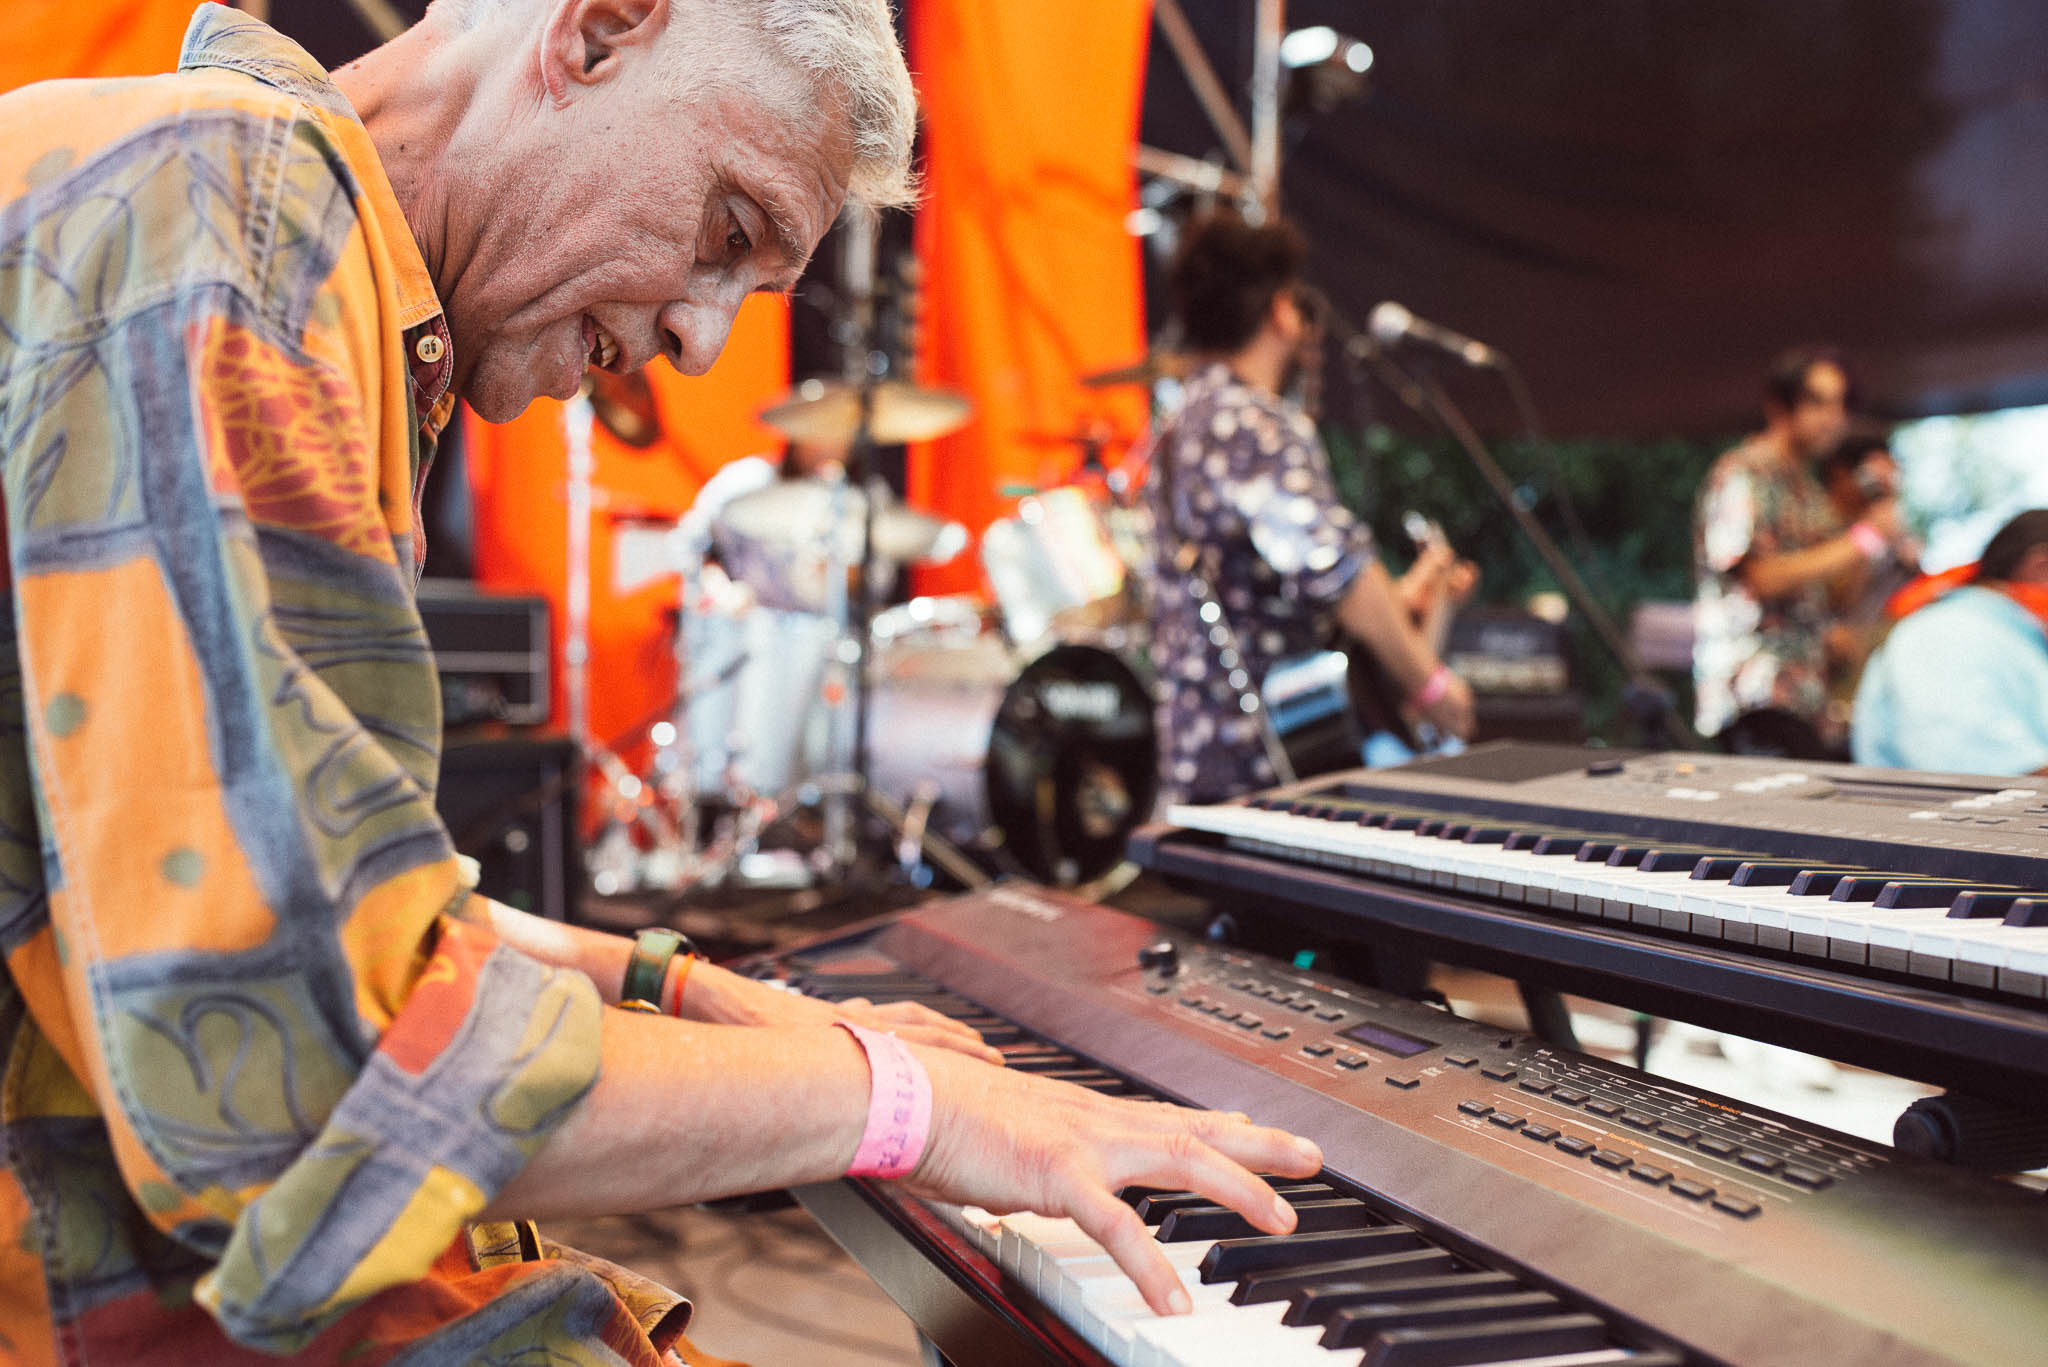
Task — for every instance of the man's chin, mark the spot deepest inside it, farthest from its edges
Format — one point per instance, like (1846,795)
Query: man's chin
(497,399)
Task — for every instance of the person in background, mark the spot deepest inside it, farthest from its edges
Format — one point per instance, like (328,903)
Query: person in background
(1859,474)
(1243,503)
(1961,683)
(1769,554)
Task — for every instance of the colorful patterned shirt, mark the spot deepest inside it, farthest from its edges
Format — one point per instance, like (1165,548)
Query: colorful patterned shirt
(1239,476)
(1748,653)
(262,1057)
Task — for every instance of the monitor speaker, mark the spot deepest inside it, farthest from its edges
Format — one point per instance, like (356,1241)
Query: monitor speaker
(511,806)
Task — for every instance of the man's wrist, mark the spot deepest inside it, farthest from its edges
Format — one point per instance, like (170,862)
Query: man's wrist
(1867,539)
(1434,689)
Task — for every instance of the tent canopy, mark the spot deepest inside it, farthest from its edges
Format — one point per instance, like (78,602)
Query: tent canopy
(1641,204)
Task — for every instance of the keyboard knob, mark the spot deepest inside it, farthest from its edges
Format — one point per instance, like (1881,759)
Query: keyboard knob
(1162,957)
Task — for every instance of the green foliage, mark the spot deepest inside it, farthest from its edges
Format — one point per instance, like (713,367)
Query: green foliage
(1633,501)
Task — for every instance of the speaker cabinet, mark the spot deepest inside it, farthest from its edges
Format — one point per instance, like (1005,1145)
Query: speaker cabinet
(511,806)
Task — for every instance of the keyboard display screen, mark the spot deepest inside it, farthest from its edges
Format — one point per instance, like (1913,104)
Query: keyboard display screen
(1388,1041)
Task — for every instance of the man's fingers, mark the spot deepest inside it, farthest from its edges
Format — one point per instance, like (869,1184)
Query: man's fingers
(1130,1245)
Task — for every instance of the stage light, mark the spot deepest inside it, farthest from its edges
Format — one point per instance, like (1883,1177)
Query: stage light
(1325,69)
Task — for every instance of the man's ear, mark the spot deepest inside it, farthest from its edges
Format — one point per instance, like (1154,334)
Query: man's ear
(582,40)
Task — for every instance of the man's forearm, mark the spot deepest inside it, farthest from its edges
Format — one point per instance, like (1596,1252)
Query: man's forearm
(687,1112)
(1780,576)
(1372,611)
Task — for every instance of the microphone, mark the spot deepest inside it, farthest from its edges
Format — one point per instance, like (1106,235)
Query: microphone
(1389,322)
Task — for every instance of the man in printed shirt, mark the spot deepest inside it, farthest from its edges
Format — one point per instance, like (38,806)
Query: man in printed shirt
(1242,498)
(267,1060)
(1769,555)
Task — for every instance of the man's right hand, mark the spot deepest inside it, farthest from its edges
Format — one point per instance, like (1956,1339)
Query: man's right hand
(1884,516)
(1009,1141)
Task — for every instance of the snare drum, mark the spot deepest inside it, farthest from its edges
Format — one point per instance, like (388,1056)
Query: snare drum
(1054,567)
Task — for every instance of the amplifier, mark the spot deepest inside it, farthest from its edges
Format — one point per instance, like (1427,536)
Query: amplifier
(511,806)
(491,650)
(1520,669)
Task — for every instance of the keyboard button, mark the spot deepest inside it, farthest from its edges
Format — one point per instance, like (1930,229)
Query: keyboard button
(1639,1120)
(1678,1133)
(1276,1032)
(1692,1191)
(1460,1060)
(1537,1085)
(1542,1134)
(1608,1158)
(1741,1207)
(1352,1062)
(1609,1109)
(1576,1147)
(1759,1162)
(1506,1121)
(1330,1014)
(1498,1073)
(1403,1081)
(1719,1148)
(1569,1096)
(1644,1172)
(1807,1177)
(1477,1108)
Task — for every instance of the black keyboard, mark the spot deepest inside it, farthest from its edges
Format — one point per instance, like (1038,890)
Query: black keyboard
(1899,921)
(1487,1198)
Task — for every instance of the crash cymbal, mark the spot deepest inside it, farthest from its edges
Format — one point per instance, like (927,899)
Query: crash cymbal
(1158,365)
(829,411)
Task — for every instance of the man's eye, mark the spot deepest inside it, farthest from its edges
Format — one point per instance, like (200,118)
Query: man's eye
(738,243)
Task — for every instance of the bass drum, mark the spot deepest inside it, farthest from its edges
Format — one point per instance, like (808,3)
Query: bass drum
(1056,764)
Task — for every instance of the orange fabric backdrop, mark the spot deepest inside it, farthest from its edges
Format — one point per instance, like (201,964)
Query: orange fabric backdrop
(1031,279)
(518,473)
(51,39)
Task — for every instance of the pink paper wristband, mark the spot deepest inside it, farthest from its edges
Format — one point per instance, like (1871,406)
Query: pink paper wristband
(1869,540)
(1433,688)
(899,1107)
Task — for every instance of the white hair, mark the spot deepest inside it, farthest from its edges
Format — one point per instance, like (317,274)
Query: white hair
(846,49)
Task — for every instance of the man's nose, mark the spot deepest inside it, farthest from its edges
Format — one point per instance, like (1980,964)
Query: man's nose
(693,335)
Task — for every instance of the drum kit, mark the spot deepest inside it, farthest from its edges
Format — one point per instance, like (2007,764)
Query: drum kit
(1011,738)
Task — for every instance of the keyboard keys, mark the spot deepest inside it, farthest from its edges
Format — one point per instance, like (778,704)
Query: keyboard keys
(1459,1345)
(1231,1259)
(1355,1326)
(1279,1283)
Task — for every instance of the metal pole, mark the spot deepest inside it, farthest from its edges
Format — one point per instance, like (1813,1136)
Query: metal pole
(577,418)
(1209,89)
(1265,152)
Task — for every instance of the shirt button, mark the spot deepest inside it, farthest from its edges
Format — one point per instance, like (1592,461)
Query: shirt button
(430,349)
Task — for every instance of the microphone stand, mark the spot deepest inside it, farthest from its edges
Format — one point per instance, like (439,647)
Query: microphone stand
(1646,699)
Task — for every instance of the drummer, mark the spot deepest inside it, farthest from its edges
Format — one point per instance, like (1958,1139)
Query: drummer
(1243,499)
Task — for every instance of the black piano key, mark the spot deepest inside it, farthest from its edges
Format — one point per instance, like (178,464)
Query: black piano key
(1525,841)
(1596,851)
(1221,1222)
(1487,835)
(1402,821)
(1977,904)
(1280,1283)
(2027,911)
(1153,1209)
(1433,827)
(1717,868)
(1556,843)
(1234,1258)
(1904,891)
(1318,1304)
(1355,1326)
(1781,873)
(1465,1345)
(1812,882)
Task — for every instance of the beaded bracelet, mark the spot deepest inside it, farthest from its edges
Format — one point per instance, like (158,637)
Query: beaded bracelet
(1868,540)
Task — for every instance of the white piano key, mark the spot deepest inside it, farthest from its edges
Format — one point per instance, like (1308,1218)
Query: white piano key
(1232,1336)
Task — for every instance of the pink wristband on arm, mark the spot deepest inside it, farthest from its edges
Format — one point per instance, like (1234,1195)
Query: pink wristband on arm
(1869,540)
(899,1106)
(1433,688)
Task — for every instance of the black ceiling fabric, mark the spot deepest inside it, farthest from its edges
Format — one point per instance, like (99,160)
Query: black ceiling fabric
(1642,203)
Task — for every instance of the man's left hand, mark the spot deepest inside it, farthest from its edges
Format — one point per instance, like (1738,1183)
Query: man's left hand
(723,997)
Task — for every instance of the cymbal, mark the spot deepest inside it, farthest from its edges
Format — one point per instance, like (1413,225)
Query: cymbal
(1157,365)
(829,411)
(800,514)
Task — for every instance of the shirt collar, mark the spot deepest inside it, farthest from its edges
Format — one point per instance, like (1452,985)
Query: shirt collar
(227,38)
